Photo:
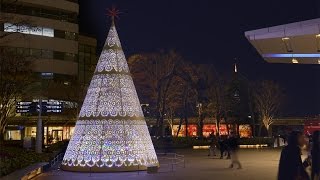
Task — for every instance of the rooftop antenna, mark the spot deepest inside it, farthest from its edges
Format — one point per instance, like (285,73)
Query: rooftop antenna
(235,65)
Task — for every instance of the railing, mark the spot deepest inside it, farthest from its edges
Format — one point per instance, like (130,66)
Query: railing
(54,161)
(171,160)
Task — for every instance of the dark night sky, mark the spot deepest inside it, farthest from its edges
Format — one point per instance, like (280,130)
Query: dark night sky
(212,32)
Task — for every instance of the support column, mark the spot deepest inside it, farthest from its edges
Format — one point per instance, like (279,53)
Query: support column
(39,133)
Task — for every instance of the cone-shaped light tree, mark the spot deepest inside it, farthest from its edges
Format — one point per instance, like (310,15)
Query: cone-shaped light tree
(111,133)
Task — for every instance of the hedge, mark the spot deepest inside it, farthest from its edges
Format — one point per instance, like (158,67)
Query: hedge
(14,157)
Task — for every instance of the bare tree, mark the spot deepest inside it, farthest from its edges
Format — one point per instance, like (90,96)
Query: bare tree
(174,100)
(153,74)
(15,80)
(210,96)
(267,100)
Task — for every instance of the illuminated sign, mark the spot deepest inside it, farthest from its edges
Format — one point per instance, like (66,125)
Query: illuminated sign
(33,107)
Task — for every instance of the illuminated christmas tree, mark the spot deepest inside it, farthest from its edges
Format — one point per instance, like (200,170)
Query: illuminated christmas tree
(111,133)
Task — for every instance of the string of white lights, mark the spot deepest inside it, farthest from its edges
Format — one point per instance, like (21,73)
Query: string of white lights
(111,132)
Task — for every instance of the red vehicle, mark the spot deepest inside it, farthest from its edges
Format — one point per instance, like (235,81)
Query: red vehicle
(311,125)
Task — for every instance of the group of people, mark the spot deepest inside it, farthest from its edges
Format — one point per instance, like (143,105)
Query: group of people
(291,166)
(228,146)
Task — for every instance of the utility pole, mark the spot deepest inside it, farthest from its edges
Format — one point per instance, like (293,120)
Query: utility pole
(39,133)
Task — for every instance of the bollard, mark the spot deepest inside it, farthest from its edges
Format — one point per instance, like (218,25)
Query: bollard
(171,165)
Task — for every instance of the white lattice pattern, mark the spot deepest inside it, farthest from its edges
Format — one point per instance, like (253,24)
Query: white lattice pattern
(111,95)
(111,131)
(109,143)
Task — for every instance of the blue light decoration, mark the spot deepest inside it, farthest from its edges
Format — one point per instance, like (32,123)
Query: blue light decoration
(111,132)
(291,55)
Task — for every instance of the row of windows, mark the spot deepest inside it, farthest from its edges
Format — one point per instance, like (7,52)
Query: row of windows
(87,49)
(39,31)
(83,77)
(87,63)
(40,12)
(57,78)
(44,53)
(87,58)
(87,54)
(27,29)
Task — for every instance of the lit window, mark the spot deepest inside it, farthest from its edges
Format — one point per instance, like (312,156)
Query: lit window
(295,61)
(318,61)
(24,29)
(47,75)
(27,29)
(8,27)
(48,32)
(66,83)
(36,31)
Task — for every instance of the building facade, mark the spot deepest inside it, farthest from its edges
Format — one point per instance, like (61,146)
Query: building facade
(48,31)
(87,58)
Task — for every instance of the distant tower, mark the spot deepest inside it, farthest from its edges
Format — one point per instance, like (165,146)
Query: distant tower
(236,82)
(111,133)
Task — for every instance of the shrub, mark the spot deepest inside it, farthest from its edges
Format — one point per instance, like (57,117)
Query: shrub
(14,157)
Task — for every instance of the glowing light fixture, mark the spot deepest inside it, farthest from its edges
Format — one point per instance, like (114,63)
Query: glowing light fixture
(111,133)
(286,41)
(295,61)
(291,55)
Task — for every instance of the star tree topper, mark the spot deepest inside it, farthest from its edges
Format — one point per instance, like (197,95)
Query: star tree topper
(113,13)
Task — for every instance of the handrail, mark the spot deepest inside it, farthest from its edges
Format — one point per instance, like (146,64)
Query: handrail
(56,159)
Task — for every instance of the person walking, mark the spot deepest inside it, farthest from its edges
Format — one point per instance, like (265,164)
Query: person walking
(228,145)
(222,146)
(315,156)
(291,166)
(213,142)
(233,147)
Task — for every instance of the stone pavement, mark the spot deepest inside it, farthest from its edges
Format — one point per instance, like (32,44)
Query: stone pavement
(257,165)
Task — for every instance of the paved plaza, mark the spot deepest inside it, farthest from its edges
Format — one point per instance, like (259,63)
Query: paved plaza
(257,165)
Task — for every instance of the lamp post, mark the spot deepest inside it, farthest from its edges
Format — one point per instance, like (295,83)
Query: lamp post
(200,123)
(39,134)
